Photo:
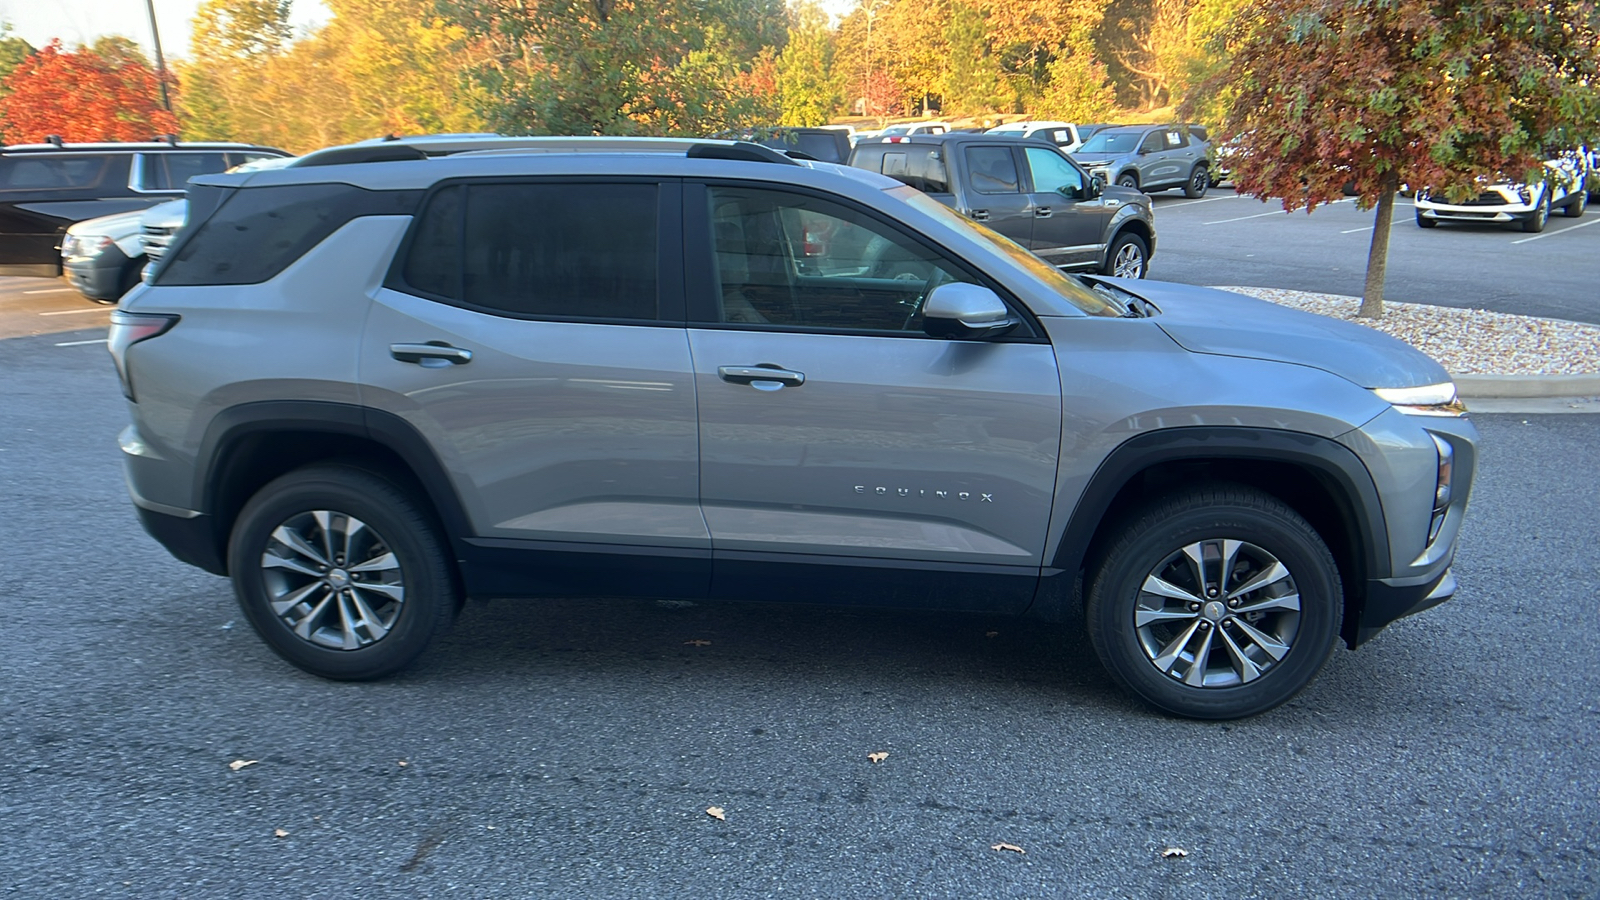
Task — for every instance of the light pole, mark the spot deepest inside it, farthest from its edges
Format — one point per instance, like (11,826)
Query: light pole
(161,64)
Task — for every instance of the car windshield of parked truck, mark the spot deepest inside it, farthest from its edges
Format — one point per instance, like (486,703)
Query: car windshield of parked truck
(1071,289)
(1111,142)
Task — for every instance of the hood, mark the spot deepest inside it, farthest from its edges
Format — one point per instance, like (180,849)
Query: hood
(166,215)
(1095,159)
(1223,323)
(115,226)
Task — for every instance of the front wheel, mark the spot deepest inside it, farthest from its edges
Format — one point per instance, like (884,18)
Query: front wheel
(1199,180)
(1129,180)
(1128,257)
(1580,203)
(341,572)
(1215,603)
(1536,220)
(1425,222)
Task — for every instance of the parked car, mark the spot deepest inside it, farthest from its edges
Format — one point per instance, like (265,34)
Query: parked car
(46,187)
(825,144)
(903,130)
(1029,191)
(1149,158)
(410,392)
(1063,134)
(104,257)
(1507,201)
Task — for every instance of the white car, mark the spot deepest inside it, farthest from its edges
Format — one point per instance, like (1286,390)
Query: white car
(1530,205)
(907,129)
(1065,135)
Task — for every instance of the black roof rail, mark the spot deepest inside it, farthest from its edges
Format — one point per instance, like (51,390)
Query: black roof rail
(743,151)
(359,153)
(53,139)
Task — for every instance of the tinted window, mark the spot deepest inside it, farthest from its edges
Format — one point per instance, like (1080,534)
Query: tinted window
(171,171)
(581,250)
(802,262)
(47,172)
(920,167)
(1111,142)
(1052,173)
(993,170)
(257,232)
(1152,142)
(822,146)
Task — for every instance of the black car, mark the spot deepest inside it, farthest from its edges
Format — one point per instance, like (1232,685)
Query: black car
(1028,190)
(46,187)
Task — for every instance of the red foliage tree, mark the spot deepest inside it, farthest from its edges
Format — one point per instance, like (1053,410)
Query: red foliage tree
(82,96)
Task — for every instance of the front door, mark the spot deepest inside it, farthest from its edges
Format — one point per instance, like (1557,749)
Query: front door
(533,335)
(846,456)
(1068,227)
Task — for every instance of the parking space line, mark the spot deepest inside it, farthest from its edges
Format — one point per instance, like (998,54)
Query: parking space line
(1279,212)
(1395,221)
(81,343)
(51,291)
(1206,200)
(75,312)
(1562,231)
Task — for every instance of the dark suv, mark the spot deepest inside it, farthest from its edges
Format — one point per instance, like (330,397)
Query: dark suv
(44,188)
(389,377)
(1028,190)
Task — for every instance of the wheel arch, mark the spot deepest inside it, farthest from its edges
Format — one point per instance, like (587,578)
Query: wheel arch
(1137,226)
(1321,479)
(249,445)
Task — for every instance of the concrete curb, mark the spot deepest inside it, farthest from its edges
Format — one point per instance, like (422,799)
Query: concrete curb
(1484,387)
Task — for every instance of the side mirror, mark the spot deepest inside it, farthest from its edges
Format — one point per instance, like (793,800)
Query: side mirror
(966,312)
(1095,188)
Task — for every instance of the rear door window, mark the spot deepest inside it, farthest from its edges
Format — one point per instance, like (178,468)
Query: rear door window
(52,172)
(993,170)
(546,250)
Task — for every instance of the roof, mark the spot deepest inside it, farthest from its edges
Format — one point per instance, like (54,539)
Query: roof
(133,147)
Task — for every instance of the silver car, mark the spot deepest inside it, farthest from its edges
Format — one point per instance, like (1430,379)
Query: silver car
(396,375)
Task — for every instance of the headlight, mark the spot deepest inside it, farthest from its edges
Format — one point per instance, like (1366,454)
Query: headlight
(1428,400)
(84,246)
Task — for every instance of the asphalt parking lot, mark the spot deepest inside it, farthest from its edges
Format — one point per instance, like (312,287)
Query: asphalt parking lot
(1228,239)
(151,746)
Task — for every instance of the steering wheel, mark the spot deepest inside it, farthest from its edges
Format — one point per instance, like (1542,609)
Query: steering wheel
(939,276)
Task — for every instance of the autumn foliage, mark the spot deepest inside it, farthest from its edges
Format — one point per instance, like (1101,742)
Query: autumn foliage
(82,96)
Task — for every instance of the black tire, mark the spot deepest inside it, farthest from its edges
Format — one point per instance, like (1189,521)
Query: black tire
(1199,180)
(1128,180)
(1575,207)
(1127,252)
(391,522)
(1425,222)
(1536,220)
(1264,529)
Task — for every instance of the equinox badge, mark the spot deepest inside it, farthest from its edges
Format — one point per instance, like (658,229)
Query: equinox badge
(919,492)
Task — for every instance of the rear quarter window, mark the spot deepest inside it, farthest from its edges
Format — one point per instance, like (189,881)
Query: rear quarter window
(54,172)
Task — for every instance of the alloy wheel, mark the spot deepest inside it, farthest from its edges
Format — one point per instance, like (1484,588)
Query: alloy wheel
(1129,262)
(1217,613)
(332,580)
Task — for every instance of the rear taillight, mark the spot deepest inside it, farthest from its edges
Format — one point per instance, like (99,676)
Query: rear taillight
(128,329)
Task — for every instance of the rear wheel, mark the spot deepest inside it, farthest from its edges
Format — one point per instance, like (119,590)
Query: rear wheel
(341,572)
(1199,180)
(1128,257)
(1215,603)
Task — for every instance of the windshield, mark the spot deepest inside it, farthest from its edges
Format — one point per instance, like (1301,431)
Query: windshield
(1070,288)
(896,129)
(1111,142)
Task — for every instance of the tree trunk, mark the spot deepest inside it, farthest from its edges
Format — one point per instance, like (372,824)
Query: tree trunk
(1378,254)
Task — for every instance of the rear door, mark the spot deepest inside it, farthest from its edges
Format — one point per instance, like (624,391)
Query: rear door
(532,332)
(845,455)
(993,191)
(1068,229)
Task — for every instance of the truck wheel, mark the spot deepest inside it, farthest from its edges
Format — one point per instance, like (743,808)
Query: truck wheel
(341,572)
(1215,603)
(1128,257)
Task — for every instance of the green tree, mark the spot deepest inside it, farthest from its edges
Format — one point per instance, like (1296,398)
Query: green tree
(1373,93)
(13,50)
(809,88)
(972,82)
(225,83)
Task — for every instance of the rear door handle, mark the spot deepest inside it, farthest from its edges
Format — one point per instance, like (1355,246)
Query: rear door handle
(980,215)
(432,354)
(1042,212)
(766,377)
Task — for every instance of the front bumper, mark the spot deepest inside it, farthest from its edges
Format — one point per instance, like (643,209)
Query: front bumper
(1388,601)
(98,277)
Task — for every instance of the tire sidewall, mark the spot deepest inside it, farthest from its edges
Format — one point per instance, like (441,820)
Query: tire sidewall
(429,594)
(1114,594)
(1120,241)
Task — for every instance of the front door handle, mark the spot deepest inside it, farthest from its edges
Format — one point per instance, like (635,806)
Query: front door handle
(980,215)
(766,377)
(432,354)
(1041,212)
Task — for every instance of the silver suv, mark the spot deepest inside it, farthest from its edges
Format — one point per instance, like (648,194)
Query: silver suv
(395,375)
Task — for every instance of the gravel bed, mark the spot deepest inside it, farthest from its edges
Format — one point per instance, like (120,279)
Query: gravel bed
(1464,341)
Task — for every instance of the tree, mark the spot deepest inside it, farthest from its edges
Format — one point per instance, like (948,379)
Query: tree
(13,50)
(972,80)
(82,96)
(225,82)
(1376,93)
(808,87)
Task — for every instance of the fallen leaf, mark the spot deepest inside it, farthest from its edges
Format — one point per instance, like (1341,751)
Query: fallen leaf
(716,812)
(1012,847)
(238,764)
(1174,853)
(280,832)
(698,643)
(992,634)
(878,757)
